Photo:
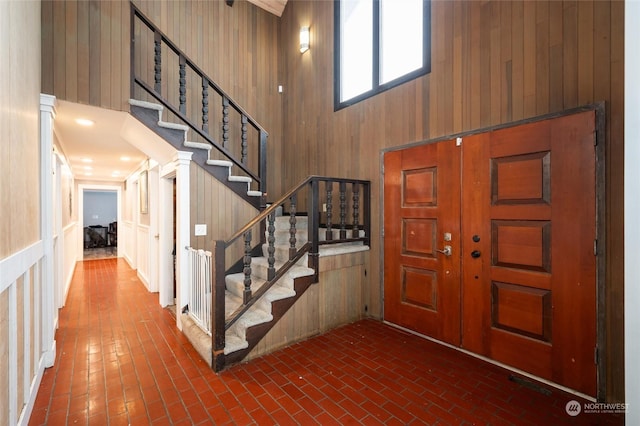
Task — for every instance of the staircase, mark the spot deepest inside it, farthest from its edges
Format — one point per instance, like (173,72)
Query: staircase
(247,299)
(245,332)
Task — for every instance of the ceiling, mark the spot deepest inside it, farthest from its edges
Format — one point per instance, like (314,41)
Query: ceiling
(274,6)
(110,149)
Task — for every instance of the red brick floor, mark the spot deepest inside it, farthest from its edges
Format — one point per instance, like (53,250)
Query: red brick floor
(121,360)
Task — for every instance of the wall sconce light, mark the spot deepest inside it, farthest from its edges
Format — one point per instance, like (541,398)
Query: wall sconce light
(304,39)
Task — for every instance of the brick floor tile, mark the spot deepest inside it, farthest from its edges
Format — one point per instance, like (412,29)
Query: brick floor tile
(121,360)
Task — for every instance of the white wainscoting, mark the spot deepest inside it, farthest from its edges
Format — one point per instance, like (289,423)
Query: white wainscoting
(70,258)
(21,276)
(142,254)
(126,236)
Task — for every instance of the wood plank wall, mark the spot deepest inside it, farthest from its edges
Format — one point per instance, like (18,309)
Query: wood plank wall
(493,62)
(19,128)
(85,53)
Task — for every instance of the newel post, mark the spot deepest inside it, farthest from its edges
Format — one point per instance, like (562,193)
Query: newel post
(217,302)
(313,224)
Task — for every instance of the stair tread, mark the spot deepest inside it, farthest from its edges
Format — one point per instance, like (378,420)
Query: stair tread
(296,271)
(254,193)
(221,163)
(240,179)
(145,104)
(174,126)
(198,145)
(234,343)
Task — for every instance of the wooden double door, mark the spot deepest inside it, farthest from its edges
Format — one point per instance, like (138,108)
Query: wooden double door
(489,245)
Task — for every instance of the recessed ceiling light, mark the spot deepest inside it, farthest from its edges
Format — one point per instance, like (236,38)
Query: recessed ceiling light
(88,174)
(115,173)
(88,167)
(125,158)
(85,122)
(87,160)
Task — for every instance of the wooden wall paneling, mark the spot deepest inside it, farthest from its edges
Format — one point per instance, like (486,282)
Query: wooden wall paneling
(5,172)
(585,52)
(59,39)
(459,25)
(46,10)
(495,63)
(118,30)
(485,65)
(570,53)
(506,64)
(529,81)
(615,209)
(71,54)
(602,51)
(82,52)
(105,54)
(542,57)
(556,99)
(95,56)
(517,62)
(447,100)
(474,66)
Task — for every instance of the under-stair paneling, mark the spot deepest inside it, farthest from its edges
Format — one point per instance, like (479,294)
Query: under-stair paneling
(492,63)
(86,56)
(336,299)
(218,207)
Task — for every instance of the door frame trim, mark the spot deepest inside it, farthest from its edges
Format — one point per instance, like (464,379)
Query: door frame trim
(600,352)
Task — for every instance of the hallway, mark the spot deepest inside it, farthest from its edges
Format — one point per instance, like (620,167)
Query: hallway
(121,360)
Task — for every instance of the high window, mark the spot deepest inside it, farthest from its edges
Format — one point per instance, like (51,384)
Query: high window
(379,44)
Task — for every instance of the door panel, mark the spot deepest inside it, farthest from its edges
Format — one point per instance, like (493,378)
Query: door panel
(525,227)
(423,184)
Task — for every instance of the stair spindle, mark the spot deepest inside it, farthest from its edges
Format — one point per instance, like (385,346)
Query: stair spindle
(246,296)
(271,249)
(225,122)
(157,60)
(243,159)
(356,210)
(292,227)
(205,104)
(343,210)
(329,188)
(183,85)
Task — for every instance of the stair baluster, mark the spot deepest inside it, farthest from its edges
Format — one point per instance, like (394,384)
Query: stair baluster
(343,210)
(183,85)
(292,228)
(329,189)
(271,271)
(243,158)
(225,122)
(157,61)
(356,210)
(205,104)
(246,296)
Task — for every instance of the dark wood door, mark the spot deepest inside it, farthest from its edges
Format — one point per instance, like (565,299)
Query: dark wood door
(527,266)
(422,190)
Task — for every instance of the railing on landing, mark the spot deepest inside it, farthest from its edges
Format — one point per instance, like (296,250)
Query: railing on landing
(194,99)
(353,224)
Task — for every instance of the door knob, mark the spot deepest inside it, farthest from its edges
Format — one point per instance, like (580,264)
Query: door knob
(446,251)
(475,254)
